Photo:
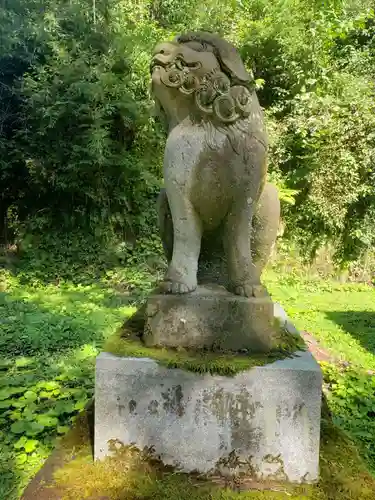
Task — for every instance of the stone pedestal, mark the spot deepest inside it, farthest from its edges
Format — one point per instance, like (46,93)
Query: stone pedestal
(212,318)
(265,421)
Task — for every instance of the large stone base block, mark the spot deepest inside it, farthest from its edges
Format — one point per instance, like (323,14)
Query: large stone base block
(264,422)
(212,318)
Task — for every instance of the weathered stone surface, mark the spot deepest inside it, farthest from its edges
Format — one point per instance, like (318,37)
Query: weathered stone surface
(210,317)
(265,421)
(283,319)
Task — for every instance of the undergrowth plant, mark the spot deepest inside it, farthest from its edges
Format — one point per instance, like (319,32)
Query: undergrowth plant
(38,403)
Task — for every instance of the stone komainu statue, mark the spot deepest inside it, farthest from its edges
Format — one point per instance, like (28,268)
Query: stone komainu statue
(218,216)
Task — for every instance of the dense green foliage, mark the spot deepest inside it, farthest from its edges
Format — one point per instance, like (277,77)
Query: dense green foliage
(352,399)
(79,124)
(80,151)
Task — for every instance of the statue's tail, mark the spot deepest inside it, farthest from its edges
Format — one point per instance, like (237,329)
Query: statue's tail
(266,225)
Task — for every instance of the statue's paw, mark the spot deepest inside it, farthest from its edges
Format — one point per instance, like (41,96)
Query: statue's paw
(250,290)
(176,287)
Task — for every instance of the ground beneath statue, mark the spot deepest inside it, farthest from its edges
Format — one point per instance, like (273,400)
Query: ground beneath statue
(43,486)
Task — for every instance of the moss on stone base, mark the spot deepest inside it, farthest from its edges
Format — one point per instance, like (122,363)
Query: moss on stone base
(127,343)
(135,475)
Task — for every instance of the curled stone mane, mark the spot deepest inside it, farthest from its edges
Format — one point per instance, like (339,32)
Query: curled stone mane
(222,96)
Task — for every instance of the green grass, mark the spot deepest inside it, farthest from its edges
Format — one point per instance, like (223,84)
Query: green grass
(342,317)
(50,333)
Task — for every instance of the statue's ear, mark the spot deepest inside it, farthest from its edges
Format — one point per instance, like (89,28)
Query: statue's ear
(228,56)
(232,63)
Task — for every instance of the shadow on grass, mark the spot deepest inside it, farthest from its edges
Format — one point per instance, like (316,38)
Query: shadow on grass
(28,329)
(359,324)
(110,287)
(87,263)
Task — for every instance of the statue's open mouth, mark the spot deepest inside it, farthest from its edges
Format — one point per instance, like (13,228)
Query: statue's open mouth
(177,63)
(161,60)
(157,63)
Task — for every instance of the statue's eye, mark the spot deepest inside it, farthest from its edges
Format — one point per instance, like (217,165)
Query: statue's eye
(196,65)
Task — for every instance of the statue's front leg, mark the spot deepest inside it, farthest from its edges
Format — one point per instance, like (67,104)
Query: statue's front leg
(181,158)
(243,277)
(181,276)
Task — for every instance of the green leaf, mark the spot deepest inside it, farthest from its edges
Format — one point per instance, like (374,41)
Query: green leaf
(5,364)
(5,404)
(21,458)
(30,445)
(28,415)
(30,396)
(5,394)
(20,443)
(62,407)
(10,391)
(19,427)
(80,405)
(15,415)
(47,421)
(45,394)
(63,429)
(31,407)
(34,428)
(49,385)
(24,362)
(19,403)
